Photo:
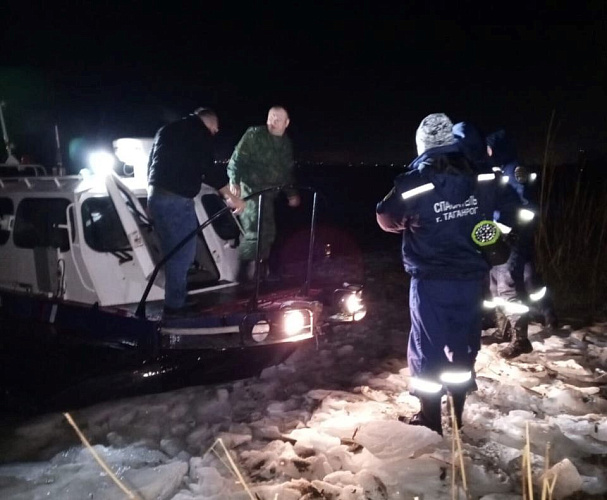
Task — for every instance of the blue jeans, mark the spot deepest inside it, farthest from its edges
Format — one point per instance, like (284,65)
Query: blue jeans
(174,218)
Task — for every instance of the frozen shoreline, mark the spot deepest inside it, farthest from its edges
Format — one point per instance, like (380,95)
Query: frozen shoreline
(325,421)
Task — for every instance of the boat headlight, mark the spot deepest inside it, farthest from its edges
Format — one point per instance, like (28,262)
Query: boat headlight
(349,303)
(294,322)
(358,315)
(260,331)
(353,303)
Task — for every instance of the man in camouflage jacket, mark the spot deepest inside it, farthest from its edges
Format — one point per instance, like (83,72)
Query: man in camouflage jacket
(263,158)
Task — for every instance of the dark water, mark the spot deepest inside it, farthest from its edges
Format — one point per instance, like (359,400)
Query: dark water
(346,207)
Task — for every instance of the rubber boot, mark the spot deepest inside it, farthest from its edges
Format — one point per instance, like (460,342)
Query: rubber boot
(520,344)
(429,414)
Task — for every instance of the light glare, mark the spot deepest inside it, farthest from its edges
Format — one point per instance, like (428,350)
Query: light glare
(102,163)
(539,295)
(526,215)
(353,303)
(294,322)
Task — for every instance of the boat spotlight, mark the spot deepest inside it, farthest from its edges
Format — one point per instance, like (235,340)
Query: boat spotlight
(294,322)
(102,163)
(350,303)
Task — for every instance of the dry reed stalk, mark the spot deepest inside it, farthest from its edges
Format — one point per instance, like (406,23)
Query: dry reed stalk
(526,476)
(543,190)
(548,484)
(548,487)
(456,448)
(232,467)
(99,460)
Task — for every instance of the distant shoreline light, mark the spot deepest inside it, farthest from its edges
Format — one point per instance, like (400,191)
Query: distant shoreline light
(300,163)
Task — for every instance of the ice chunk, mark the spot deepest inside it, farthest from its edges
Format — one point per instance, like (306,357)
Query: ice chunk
(160,482)
(391,439)
(314,439)
(568,479)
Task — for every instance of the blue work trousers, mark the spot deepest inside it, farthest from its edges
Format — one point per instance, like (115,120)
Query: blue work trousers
(445,327)
(174,218)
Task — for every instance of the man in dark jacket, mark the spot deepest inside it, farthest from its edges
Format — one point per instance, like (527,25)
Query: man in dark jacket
(516,283)
(180,161)
(437,205)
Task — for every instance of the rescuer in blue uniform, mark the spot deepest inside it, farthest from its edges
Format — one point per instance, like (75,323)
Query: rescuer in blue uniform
(517,282)
(437,205)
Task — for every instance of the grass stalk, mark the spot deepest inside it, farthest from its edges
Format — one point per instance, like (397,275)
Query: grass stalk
(99,460)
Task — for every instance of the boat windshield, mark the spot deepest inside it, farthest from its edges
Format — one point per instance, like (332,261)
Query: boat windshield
(103,230)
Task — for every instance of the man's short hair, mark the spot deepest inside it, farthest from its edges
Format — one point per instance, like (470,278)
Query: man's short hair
(278,107)
(202,112)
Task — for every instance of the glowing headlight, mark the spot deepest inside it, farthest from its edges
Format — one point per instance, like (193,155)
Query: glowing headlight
(294,322)
(353,303)
(349,303)
(260,331)
(358,315)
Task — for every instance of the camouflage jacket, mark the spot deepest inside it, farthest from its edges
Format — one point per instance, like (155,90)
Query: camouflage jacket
(261,160)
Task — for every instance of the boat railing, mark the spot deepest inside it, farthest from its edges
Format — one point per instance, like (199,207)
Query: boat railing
(32,182)
(22,170)
(140,311)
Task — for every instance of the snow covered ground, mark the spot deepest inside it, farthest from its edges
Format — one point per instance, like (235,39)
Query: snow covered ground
(324,424)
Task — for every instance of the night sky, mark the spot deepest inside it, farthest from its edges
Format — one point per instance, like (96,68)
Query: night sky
(356,80)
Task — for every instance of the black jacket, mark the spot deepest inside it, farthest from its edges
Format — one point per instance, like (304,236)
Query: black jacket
(182,158)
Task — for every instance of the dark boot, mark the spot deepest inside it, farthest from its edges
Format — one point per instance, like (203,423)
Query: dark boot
(429,414)
(550,320)
(520,344)
(516,348)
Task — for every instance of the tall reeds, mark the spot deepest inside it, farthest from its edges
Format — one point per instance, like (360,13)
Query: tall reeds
(572,233)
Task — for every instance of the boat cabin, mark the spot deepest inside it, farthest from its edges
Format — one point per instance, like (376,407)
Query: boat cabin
(87,238)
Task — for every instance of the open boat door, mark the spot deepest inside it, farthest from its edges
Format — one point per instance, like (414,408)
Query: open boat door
(135,222)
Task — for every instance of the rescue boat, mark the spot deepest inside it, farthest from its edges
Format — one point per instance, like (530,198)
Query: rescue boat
(81,268)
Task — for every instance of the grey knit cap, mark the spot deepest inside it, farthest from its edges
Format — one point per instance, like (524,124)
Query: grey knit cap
(434,130)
